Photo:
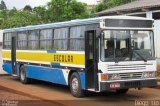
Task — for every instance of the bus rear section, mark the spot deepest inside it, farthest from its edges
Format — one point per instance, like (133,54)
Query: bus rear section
(97,54)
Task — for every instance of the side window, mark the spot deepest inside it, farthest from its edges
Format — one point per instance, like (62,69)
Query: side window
(22,40)
(77,38)
(7,41)
(60,39)
(33,40)
(46,39)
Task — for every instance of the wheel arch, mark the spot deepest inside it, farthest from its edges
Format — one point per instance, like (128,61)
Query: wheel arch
(81,76)
(19,69)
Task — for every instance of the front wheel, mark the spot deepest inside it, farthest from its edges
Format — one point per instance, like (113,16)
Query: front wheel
(75,85)
(122,91)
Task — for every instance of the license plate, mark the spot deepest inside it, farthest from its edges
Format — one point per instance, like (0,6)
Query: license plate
(115,85)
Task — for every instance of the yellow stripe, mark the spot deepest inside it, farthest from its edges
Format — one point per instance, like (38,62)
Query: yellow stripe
(78,59)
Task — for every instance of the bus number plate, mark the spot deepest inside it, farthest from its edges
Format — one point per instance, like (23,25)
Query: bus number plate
(115,85)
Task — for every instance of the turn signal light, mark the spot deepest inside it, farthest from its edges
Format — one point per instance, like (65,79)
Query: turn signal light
(103,77)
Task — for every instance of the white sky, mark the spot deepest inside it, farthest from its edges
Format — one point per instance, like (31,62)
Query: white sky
(19,4)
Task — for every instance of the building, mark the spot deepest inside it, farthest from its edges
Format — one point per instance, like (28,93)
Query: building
(99,1)
(140,8)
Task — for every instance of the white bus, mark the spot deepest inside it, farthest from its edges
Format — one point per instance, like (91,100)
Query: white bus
(97,54)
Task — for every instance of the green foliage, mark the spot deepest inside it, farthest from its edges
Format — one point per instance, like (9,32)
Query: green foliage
(18,19)
(106,4)
(55,11)
(63,10)
(41,14)
(27,8)
(3,5)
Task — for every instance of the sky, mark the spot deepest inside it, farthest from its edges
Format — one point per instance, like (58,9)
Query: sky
(19,4)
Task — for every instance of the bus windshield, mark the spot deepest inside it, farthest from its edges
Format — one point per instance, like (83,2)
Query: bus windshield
(127,45)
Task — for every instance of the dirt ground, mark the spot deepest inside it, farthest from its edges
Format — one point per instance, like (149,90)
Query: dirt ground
(9,97)
(48,94)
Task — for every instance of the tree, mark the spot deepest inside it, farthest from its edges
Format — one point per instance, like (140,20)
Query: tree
(3,5)
(19,19)
(55,11)
(3,14)
(14,8)
(41,14)
(79,10)
(27,8)
(106,4)
(63,10)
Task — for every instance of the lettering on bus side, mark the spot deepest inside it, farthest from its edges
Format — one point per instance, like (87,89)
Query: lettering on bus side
(63,58)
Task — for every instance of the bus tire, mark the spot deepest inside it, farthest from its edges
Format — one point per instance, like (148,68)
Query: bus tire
(122,91)
(22,76)
(75,86)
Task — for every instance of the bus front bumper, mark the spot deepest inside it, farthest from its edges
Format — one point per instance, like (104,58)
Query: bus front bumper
(104,86)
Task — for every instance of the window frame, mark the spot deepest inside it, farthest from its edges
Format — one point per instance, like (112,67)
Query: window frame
(4,41)
(46,39)
(38,31)
(22,40)
(76,38)
(68,38)
(68,34)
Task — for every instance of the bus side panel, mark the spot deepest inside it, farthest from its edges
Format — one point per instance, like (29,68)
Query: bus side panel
(83,79)
(7,67)
(46,74)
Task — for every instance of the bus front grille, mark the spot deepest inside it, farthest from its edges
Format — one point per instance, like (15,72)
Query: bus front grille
(128,67)
(135,75)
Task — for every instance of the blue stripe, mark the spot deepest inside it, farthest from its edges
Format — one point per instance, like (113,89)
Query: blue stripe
(55,64)
(46,74)
(7,67)
(83,79)
(51,51)
(17,69)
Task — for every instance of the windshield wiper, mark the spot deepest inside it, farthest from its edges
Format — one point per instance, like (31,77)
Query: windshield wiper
(140,56)
(119,59)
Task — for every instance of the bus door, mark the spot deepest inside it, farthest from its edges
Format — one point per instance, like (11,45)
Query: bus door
(91,64)
(13,53)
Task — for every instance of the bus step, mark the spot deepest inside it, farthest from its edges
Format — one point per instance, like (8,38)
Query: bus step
(14,75)
(92,89)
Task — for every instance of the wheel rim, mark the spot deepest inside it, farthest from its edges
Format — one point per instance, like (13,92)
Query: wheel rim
(23,74)
(75,85)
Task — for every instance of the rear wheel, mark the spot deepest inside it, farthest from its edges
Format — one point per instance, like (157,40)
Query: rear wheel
(23,77)
(122,91)
(75,85)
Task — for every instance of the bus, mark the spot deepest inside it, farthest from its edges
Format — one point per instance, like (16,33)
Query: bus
(96,54)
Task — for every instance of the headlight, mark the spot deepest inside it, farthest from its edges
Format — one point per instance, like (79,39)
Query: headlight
(148,74)
(152,74)
(114,77)
(145,75)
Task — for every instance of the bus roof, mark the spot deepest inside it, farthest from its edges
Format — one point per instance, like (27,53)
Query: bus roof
(72,23)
